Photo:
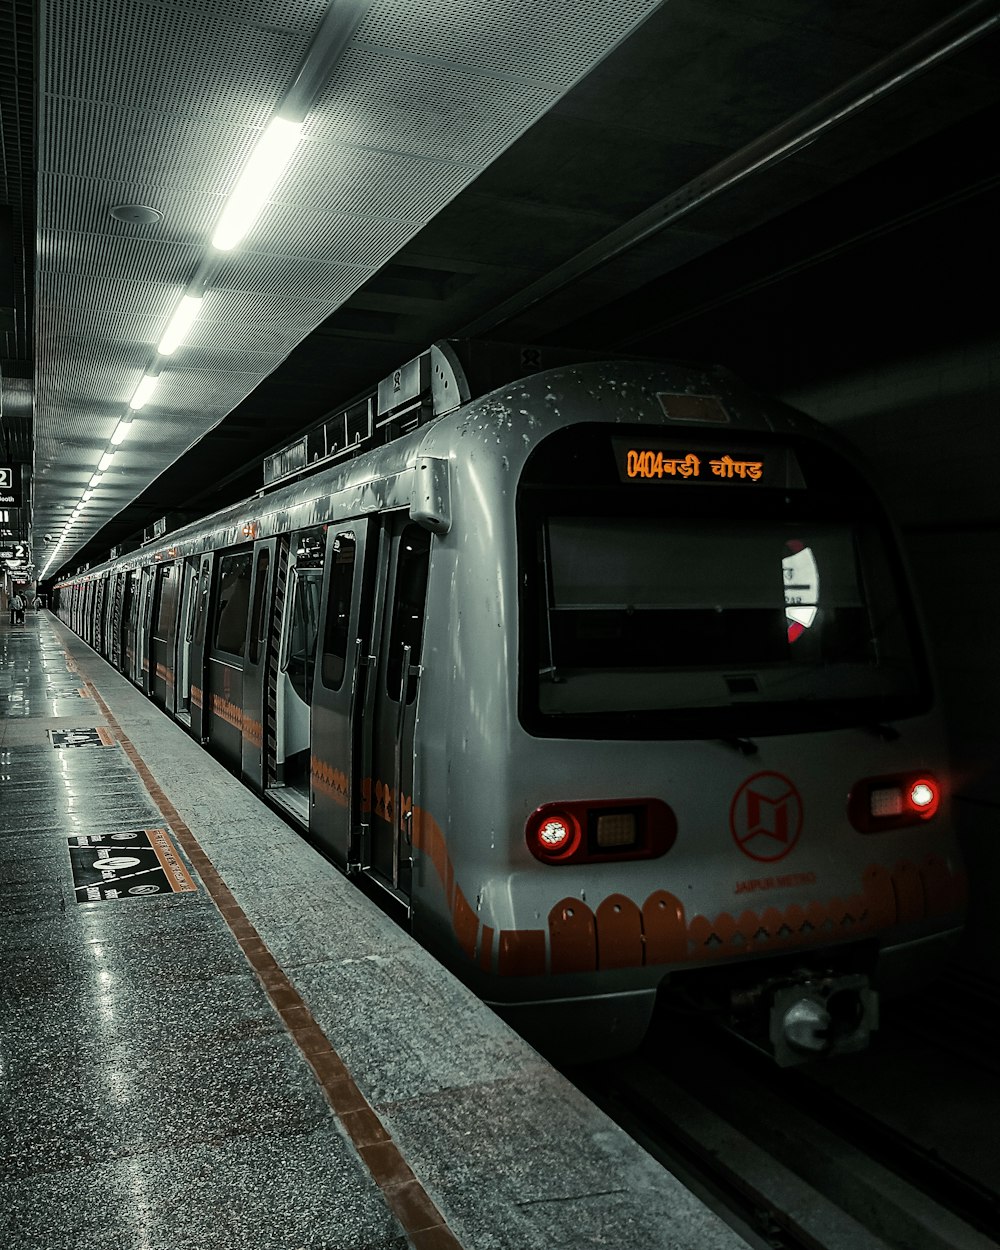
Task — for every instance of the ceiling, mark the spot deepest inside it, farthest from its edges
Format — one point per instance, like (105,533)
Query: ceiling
(782,185)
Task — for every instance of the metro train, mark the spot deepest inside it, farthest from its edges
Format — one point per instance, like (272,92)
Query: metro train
(609,677)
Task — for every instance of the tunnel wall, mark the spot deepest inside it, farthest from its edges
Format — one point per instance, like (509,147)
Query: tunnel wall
(929,430)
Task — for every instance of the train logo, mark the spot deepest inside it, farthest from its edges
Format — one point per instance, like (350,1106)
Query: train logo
(766,817)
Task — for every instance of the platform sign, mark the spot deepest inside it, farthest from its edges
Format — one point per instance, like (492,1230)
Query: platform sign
(136,864)
(10,486)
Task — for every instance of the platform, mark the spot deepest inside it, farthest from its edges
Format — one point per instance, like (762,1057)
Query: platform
(209,1038)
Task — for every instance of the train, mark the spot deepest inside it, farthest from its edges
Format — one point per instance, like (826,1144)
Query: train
(606,675)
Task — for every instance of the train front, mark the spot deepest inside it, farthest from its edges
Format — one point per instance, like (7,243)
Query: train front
(719,772)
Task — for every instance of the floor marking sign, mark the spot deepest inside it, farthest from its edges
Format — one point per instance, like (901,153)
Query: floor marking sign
(139,863)
(99,737)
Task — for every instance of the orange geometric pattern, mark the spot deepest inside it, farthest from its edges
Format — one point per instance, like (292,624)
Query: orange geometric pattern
(227,711)
(233,715)
(330,781)
(164,673)
(621,933)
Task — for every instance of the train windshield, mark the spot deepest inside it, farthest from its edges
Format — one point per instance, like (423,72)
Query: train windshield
(744,617)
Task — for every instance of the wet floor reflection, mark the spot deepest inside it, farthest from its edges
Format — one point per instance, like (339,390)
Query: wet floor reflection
(149,1093)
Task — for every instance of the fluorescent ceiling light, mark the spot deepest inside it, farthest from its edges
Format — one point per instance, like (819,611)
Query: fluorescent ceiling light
(183,319)
(106,461)
(95,479)
(143,391)
(121,430)
(87,494)
(261,173)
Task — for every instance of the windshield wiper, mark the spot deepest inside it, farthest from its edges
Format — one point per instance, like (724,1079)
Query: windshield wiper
(745,746)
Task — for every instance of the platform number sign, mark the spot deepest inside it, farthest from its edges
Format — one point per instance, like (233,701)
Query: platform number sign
(10,486)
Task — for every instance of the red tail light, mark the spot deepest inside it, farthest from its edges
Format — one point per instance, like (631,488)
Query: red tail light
(878,803)
(600,830)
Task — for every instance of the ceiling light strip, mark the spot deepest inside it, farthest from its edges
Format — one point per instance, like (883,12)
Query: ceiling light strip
(185,315)
(144,391)
(260,175)
(121,431)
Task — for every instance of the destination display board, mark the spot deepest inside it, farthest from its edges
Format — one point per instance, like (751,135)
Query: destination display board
(655,461)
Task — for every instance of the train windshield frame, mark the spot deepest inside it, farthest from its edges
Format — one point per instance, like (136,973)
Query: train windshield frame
(687,611)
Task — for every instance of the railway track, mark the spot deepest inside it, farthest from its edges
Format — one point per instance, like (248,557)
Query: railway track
(790,1157)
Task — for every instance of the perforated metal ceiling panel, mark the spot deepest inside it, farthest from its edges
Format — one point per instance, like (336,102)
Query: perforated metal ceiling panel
(160,104)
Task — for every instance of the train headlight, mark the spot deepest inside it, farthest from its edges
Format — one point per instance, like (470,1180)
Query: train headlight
(878,803)
(924,796)
(600,829)
(557,835)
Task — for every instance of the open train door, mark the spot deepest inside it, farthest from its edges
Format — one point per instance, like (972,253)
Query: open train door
(391,705)
(129,625)
(255,663)
(185,638)
(162,644)
(291,664)
(196,651)
(339,797)
(144,629)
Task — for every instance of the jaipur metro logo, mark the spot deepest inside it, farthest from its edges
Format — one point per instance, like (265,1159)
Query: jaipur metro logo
(766,817)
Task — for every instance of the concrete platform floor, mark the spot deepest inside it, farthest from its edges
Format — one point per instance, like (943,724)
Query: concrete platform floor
(209,1038)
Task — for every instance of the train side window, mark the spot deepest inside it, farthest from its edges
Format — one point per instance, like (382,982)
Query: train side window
(203,602)
(259,597)
(234,601)
(338,611)
(192,606)
(408,608)
(167,605)
(300,644)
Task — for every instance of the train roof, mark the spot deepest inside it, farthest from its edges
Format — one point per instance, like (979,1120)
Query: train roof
(419,416)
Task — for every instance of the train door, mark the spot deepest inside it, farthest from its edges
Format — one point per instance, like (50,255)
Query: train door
(199,723)
(114,619)
(338,774)
(185,640)
(88,618)
(255,664)
(163,641)
(143,623)
(290,694)
(225,647)
(130,612)
(391,706)
(110,607)
(98,639)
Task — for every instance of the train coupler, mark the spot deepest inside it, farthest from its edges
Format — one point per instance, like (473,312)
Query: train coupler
(807,1015)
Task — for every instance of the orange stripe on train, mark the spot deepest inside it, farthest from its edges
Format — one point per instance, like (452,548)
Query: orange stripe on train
(623,934)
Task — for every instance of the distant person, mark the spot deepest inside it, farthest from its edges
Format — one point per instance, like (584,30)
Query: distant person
(16,610)
(38,603)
